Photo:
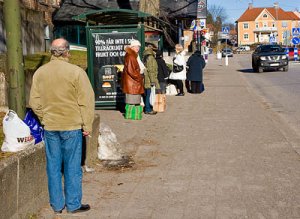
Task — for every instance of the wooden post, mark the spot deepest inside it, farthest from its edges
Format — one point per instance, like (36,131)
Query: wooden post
(15,63)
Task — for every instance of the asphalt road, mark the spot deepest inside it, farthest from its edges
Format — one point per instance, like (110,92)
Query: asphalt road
(280,90)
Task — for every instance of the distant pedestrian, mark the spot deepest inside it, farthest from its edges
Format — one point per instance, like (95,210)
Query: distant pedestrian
(195,66)
(151,72)
(163,71)
(63,98)
(179,72)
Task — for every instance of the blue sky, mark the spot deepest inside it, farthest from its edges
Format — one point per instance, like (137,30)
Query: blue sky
(235,8)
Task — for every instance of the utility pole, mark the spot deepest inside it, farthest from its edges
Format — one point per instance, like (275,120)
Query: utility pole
(14,62)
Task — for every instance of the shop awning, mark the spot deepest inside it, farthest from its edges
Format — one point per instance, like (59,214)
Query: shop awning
(112,16)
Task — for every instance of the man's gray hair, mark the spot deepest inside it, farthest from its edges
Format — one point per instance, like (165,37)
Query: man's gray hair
(60,50)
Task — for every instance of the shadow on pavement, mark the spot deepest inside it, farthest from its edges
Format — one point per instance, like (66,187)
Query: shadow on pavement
(249,70)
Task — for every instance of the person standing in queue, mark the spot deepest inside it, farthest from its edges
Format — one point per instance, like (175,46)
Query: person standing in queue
(163,71)
(132,79)
(179,72)
(195,66)
(151,72)
(63,98)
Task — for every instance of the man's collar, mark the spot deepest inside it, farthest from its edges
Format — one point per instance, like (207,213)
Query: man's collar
(66,59)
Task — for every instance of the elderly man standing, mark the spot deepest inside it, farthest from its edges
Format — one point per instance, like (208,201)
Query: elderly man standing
(62,97)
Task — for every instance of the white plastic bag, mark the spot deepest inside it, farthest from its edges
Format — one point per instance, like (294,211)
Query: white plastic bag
(17,133)
(152,96)
(171,89)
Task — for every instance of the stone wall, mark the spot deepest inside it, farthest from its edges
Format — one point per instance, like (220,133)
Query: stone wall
(23,184)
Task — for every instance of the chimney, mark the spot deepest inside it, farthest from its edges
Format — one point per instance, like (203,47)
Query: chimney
(276,5)
(250,6)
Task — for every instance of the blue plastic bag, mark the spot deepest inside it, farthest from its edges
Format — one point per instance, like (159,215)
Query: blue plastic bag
(35,126)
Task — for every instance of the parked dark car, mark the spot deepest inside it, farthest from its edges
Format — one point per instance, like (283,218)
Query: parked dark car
(269,57)
(227,52)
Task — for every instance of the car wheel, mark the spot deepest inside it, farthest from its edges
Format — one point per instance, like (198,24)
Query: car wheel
(260,69)
(286,68)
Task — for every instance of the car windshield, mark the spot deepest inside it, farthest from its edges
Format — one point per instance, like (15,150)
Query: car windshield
(227,50)
(270,48)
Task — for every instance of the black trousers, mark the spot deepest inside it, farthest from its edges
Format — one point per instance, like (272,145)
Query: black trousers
(178,84)
(197,87)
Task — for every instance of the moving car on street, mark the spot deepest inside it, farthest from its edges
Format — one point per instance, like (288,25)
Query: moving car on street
(269,57)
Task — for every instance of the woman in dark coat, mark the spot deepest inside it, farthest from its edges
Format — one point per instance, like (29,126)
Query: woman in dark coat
(195,65)
(163,71)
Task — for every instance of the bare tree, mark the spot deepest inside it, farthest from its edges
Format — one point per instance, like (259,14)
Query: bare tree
(217,12)
(215,17)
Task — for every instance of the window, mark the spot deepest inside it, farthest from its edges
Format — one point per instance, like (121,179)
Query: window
(246,26)
(284,24)
(246,36)
(273,24)
(265,15)
(265,24)
(256,25)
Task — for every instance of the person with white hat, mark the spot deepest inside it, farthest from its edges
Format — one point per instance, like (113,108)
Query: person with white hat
(132,80)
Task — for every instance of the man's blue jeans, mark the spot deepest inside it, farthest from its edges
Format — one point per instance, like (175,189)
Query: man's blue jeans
(148,107)
(64,147)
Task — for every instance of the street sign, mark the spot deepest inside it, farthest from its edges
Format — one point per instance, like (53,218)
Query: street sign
(295,31)
(193,25)
(295,40)
(225,30)
(203,23)
(272,39)
(202,9)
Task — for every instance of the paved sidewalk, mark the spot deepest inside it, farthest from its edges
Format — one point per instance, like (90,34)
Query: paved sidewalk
(222,154)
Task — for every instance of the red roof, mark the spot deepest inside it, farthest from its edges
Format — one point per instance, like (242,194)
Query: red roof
(252,13)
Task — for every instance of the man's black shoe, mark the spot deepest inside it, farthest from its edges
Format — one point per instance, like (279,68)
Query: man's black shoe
(58,212)
(82,208)
(179,94)
(151,112)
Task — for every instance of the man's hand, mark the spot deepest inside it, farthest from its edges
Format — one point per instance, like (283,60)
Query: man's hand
(86,134)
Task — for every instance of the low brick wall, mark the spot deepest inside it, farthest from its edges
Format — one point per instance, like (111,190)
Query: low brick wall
(23,185)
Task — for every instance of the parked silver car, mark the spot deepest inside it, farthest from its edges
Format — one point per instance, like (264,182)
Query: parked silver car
(227,51)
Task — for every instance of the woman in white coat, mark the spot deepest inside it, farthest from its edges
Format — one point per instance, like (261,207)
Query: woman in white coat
(178,74)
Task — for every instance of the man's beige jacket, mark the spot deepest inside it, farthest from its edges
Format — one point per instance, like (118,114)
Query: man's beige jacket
(62,96)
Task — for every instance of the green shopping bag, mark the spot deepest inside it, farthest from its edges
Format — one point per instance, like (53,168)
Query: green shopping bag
(133,112)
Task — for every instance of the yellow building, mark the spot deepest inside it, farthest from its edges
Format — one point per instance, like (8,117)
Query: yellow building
(263,25)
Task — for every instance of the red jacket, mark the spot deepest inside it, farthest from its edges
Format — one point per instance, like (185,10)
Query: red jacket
(132,80)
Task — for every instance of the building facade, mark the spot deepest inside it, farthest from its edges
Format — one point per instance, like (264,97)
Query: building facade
(266,25)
